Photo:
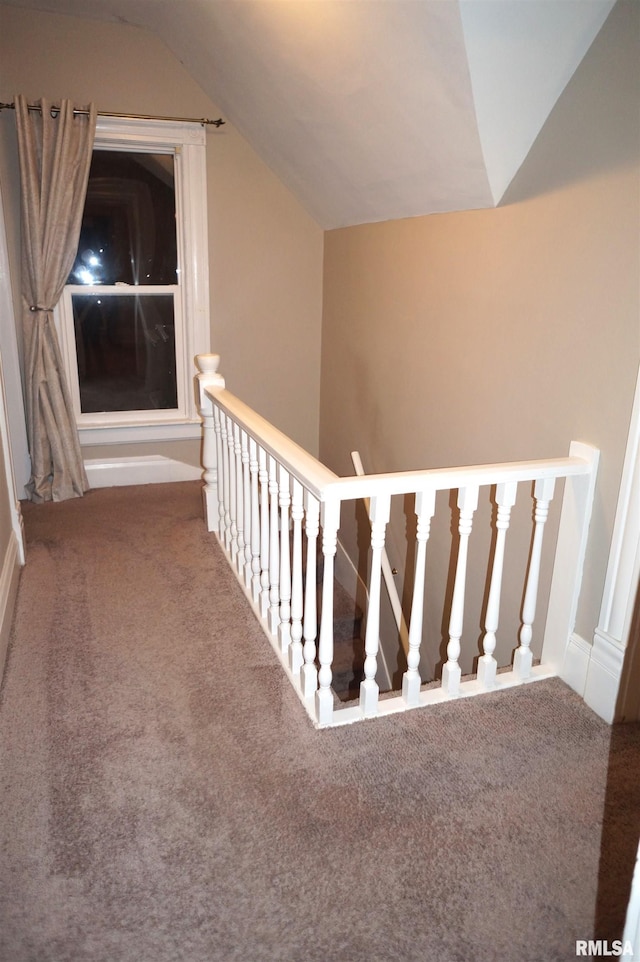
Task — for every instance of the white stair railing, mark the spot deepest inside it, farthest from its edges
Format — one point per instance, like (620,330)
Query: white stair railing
(268,500)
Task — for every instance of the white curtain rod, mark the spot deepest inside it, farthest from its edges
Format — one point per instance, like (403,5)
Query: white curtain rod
(106,113)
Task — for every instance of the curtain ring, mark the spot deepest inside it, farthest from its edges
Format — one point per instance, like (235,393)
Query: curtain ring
(35,308)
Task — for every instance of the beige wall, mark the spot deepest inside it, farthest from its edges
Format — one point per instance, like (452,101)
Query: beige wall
(502,334)
(265,251)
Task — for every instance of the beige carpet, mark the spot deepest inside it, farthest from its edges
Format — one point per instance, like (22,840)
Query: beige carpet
(165,797)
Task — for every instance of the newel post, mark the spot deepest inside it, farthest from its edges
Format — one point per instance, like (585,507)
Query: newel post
(568,565)
(206,378)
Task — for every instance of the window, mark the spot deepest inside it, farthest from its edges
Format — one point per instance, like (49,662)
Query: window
(134,312)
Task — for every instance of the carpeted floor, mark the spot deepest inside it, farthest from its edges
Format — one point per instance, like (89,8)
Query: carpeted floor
(166,799)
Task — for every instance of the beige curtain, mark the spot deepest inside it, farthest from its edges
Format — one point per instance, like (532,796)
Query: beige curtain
(55,154)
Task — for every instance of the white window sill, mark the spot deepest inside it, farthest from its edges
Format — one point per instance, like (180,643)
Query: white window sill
(138,433)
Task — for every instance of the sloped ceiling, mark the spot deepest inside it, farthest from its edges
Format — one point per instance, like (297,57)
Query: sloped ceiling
(372,110)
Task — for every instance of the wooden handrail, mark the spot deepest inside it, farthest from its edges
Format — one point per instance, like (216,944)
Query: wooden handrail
(446,479)
(259,485)
(298,462)
(325,484)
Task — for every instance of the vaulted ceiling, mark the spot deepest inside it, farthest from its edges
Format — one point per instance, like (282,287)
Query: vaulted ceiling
(372,110)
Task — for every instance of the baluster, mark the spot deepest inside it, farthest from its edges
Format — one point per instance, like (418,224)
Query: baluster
(379,517)
(237,449)
(523,658)
(284,628)
(487,665)
(245,570)
(309,672)
(274,552)
(220,447)
(297,514)
(263,476)
(425,508)
(244,486)
(255,521)
(324,694)
(233,528)
(224,424)
(451,673)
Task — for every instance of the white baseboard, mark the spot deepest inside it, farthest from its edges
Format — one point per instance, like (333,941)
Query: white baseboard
(154,469)
(9,577)
(603,676)
(576,663)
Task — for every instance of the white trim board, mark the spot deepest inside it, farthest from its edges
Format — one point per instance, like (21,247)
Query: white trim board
(153,469)
(9,577)
(611,685)
(186,144)
(576,663)
(604,673)
(632,924)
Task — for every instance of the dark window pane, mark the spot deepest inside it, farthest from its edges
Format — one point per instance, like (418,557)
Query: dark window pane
(128,233)
(126,352)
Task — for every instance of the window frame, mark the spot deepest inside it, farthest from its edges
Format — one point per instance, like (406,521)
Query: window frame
(187,143)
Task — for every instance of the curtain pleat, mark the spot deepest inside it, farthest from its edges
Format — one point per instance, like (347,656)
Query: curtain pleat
(55,150)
